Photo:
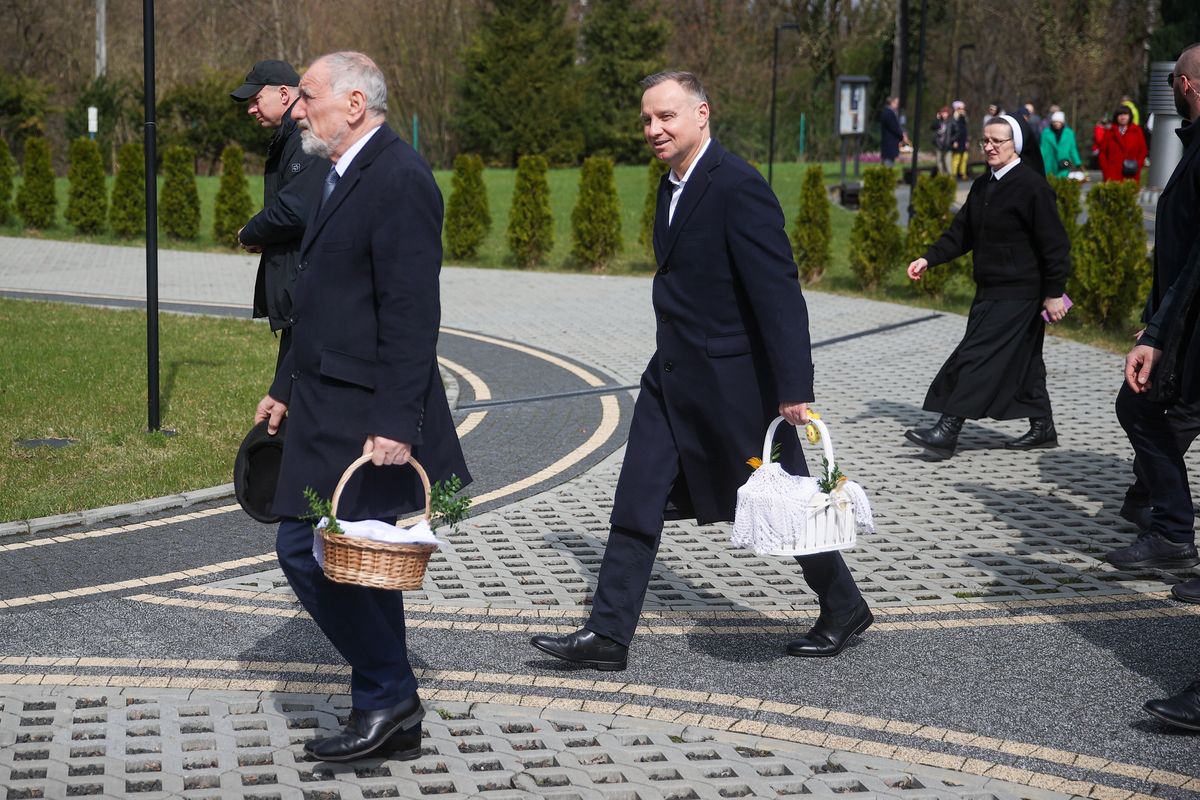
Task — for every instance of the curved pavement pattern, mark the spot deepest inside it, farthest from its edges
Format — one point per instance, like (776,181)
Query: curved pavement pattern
(1007,659)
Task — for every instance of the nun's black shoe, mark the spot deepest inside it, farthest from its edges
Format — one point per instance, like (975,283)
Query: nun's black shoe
(1041,433)
(586,648)
(1187,592)
(1181,710)
(1154,551)
(829,637)
(941,439)
(394,732)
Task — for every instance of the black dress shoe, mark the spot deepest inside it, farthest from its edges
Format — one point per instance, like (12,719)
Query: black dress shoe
(1152,550)
(392,731)
(1187,592)
(941,439)
(1041,433)
(828,638)
(1181,710)
(586,648)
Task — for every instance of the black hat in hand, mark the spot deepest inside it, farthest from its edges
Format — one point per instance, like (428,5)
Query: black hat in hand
(256,471)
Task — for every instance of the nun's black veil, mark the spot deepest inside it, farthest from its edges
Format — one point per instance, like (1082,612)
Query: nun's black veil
(1031,148)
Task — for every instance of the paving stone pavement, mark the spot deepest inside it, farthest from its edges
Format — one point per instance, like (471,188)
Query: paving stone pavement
(990,537)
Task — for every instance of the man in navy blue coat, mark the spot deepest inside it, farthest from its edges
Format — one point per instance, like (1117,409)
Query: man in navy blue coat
(362,377)
(891,133)
(733,352)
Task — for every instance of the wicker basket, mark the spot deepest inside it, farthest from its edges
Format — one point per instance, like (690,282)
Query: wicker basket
(379,565)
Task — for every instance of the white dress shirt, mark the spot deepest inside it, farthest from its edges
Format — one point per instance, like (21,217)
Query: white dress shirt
(679,183)
(343,163)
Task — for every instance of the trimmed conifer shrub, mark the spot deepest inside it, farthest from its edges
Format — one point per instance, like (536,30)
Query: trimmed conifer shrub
(875,241)
(7,169)
(812,234)
(1066,196)
(1109,263)
(179,207)
(36,202)
(530,223)
(127,214)
(87,196)
(233,205)
(931,203)
(596,218)
(654,174)
(468,218)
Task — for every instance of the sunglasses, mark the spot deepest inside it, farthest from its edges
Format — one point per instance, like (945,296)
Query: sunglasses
(1171,76)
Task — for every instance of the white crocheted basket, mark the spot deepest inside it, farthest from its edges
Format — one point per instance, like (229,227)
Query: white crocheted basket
(779,514)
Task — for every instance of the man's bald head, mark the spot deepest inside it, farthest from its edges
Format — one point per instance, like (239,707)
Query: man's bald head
(1188,62)
(1186,83)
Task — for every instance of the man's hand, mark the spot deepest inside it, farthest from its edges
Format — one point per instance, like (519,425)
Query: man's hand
(386,451)
(795,413)
(1138,366)
(249,248)
(270,409)
(1056,309)
(916,268)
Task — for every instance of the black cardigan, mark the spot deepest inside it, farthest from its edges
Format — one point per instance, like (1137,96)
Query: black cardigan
(1021,249)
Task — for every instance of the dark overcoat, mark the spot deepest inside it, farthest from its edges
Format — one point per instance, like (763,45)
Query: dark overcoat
(365,327)
(291,187)
(732,337)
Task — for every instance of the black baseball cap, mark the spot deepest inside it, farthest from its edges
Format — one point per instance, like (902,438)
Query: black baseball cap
(265,73)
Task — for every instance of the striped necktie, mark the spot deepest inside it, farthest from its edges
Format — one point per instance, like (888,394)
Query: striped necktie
(330,182)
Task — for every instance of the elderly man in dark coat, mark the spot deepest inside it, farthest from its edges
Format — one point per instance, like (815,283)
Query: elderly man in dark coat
(291,185)
(733,351)
(1162,373)
(362,378)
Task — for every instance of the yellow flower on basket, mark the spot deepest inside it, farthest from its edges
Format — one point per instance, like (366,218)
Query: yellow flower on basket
(754,461)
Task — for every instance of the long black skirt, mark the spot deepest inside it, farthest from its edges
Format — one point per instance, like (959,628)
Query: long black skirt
(997,369)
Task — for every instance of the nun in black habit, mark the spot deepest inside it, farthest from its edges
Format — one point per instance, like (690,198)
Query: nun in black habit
(1021,262)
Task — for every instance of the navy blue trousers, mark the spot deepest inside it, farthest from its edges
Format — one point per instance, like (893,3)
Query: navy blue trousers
(1160,465)
(365,625)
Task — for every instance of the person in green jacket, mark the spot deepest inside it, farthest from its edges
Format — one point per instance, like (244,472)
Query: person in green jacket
(1059,152)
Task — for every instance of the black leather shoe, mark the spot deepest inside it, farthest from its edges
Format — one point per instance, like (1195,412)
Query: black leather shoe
(828,638)
(1136,512)
(1041,433)
(1181,710)
(941,439)
(395,730)
(586,648)
(1187,592)
(1152,550)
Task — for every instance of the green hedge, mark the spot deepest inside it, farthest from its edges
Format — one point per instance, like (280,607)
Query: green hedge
(530,223)
(179,209)
(654,174)
(7,169)
(127,214)
(931,201)
(811,233)
(36,201)
(596,218)
(1109,264)
(875,240)
(468,218)
(87,196)
(233,204)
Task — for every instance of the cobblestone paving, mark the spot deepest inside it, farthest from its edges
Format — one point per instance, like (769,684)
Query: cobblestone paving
(144,744)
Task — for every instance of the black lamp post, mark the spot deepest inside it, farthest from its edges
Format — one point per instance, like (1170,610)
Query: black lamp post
(958,70)
(774,81)
(154,422)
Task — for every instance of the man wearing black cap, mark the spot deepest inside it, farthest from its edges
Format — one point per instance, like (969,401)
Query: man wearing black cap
(291,183)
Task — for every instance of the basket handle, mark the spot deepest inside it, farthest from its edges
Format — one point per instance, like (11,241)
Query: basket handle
(826,442)
(364,459)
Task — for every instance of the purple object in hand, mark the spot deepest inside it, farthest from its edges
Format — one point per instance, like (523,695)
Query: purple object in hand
(1066,307)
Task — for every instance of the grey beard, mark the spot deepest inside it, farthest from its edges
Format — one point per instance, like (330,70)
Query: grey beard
(313,146)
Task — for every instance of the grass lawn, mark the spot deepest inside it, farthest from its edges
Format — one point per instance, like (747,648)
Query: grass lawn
(80,373)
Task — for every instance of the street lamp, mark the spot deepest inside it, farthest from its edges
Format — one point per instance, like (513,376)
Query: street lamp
(774,81)
(958,70)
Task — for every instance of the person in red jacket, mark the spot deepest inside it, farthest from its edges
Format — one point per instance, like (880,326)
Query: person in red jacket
(1123,148)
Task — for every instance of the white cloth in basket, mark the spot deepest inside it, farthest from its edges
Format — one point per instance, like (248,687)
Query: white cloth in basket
(788,515)
(378,531)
